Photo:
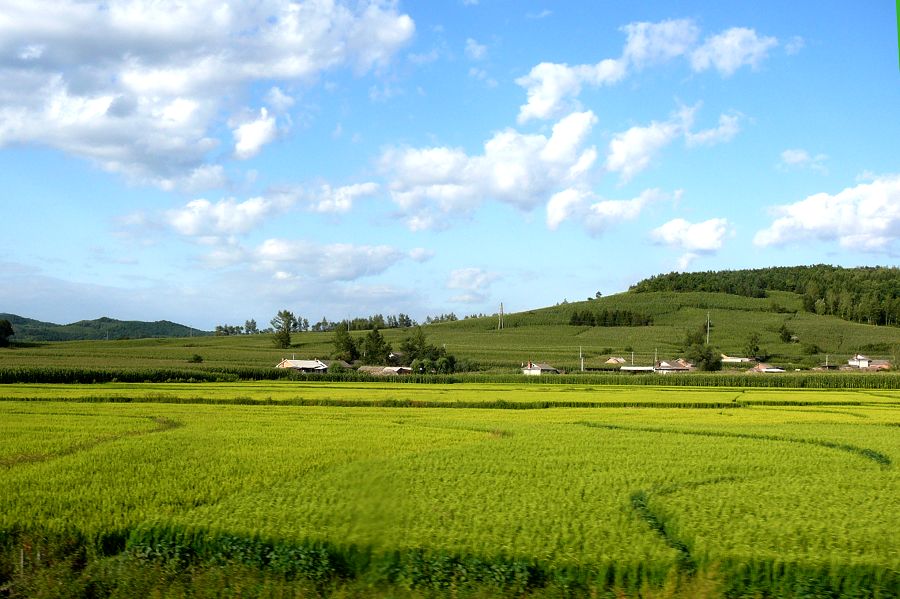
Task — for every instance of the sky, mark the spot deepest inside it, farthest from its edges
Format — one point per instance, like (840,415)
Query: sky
(209,162)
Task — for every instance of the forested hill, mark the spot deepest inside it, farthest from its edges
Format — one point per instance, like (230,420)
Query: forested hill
(28,329)
(864,294)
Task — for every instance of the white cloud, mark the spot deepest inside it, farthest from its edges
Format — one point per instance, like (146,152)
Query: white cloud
(703,237)
(331,262)
(340,199)
(474,50)
(421,254)
(279,100)
(225,217)
(865,217)
(728,127)
(798,158)
(656,43)
(433,184)
(482,75)
(543,14)
(473,282)
(686,259)
(138,87)
(250,137)
(631,151)
(553,88)
(597,214)
(732,49)
(549,85)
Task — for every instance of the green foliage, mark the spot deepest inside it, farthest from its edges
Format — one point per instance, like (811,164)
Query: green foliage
(345,347)
(195,359)
(864,294)
(752,349)
(705,357)
(6,331)
(610,318)
(282,325)
(375,349)
(785,334)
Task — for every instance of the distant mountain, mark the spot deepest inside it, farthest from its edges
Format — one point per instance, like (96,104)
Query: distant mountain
(28,329)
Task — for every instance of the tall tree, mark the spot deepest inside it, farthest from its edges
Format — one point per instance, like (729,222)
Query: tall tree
(250,327)
(345,348)
(375,349)
(6,331)
(283,324)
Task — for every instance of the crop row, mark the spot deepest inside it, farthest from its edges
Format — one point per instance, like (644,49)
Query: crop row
(40,374)
(772,501)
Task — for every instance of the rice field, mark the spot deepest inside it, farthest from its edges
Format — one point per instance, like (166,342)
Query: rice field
(756,492)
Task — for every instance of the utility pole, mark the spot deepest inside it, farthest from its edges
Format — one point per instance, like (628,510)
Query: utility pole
(707,328)
(632,358)
(580,355)
(500,318)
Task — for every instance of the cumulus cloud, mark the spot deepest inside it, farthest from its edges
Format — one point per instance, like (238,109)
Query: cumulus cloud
(707,236)
(728,127)
(732,49)
(138,87)
(340,199)
(597,214)
(225,217)
(474,284)
(331,262)
(633,150)
(694,239)
(553,88)
(432,184)
(865,217)
(798,158)
(657,43)
(250,137)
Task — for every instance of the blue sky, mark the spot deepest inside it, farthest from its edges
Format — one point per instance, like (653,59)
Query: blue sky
(211,162)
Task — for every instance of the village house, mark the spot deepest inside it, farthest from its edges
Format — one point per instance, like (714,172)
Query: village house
(735,360)
(766,368)
(385,370)
(535,369)
(670,366)
(859,361)
(615,360)
(315,365)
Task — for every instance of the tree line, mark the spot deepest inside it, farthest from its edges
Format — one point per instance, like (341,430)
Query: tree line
(869,294)
(610,318)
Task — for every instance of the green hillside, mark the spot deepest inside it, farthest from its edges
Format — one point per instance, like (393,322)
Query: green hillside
(30,330)
(540,335)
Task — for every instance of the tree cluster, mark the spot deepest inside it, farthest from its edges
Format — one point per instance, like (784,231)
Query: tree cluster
(415,351)
(366,323)
(424,357)
(6,331)
(864,294)
(703,356)
(610,318)
(441,318)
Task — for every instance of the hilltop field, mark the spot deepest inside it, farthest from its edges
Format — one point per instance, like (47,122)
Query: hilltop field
(540,335)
